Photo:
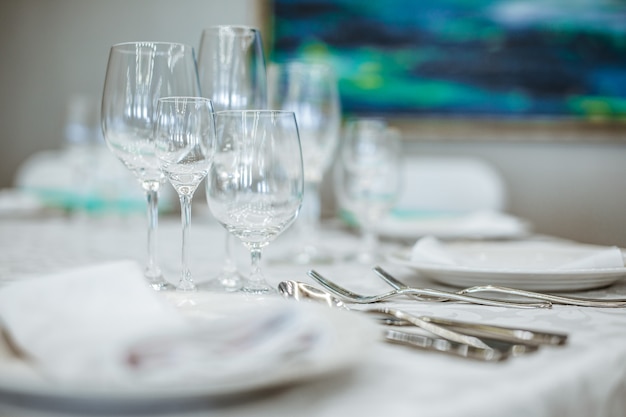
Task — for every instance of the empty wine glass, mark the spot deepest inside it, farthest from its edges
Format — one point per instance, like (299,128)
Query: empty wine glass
(138,74)
(368,179)
(184,146)
(256,180)
(309,89)
(231,68)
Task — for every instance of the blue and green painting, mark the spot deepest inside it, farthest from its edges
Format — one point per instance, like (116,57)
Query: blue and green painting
(476,58)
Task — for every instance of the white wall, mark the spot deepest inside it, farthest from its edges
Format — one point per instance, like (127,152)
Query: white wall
(575,190)
(51,50)
(54,49)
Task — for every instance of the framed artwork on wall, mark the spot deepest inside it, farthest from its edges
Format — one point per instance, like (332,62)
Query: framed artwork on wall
(496,62)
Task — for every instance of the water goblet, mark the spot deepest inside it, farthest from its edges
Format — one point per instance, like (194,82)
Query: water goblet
(137,75)
(256,181)
(184,146)
(231,68)
(309,89)
(368,179)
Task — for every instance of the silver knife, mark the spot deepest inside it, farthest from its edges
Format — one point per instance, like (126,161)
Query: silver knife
(509,334)
(441,345)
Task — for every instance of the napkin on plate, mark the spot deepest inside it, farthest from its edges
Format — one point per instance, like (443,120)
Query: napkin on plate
(102,326)
(429,249)
(80,322)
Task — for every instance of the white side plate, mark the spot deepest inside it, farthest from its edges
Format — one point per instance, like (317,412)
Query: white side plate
(510,264)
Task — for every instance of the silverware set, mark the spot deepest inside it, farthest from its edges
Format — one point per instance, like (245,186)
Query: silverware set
(477,341)
(484,342)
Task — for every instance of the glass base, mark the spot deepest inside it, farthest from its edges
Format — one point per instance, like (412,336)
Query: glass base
(161,285)
(156,281)
(227,281)
(258,288)
(186,286)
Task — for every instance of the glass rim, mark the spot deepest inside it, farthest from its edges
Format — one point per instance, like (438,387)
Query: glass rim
(158,43)
(246,112)
(194,98)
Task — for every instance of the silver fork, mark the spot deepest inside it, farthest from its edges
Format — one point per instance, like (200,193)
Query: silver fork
(555,299)
(300,291)
(368,299)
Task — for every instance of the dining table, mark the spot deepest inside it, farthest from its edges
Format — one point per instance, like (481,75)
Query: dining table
(584,377)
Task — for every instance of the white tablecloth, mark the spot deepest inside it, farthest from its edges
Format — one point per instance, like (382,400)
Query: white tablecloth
(585,378)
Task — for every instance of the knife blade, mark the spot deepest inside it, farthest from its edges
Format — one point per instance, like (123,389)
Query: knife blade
(433,344)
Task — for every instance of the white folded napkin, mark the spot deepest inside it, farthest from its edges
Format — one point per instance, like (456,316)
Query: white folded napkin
(78,324)
(102,326)
(517,255)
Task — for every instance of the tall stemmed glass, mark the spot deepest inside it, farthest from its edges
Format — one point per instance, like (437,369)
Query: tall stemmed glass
(256,180)
(368,178)
(138,74)
(231,67)
(310,91)
(184,143)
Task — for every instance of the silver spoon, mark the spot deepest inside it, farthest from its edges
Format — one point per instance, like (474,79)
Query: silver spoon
(367,299)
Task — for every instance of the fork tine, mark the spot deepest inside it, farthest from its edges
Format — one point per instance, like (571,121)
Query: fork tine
(333,287)
(389,279)
(398,285)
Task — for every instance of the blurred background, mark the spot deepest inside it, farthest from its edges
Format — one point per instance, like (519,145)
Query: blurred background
(563,172)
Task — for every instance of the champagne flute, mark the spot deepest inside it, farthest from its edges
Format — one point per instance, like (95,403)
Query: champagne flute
(368,179)
(256,181)
(184,146)
(231,68)
(138,74)
(309,89)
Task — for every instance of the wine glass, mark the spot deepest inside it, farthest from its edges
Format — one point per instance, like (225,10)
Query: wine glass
(256,181)
(138,74)
(231,68)
(368,178)
(309,89)
(184,146)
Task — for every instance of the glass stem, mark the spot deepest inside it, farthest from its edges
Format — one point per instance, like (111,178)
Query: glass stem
(152,271)
(186,282)
(229,262)
(255,270)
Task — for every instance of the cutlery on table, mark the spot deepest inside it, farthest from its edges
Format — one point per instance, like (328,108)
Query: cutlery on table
(497,333)
(554,299)
(353,297)
(448,341)
(301,290)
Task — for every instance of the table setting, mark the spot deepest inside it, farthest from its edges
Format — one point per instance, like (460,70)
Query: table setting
(252,305)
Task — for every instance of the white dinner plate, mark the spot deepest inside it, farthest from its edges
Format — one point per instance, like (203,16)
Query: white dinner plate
(514,264)
(341,341)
